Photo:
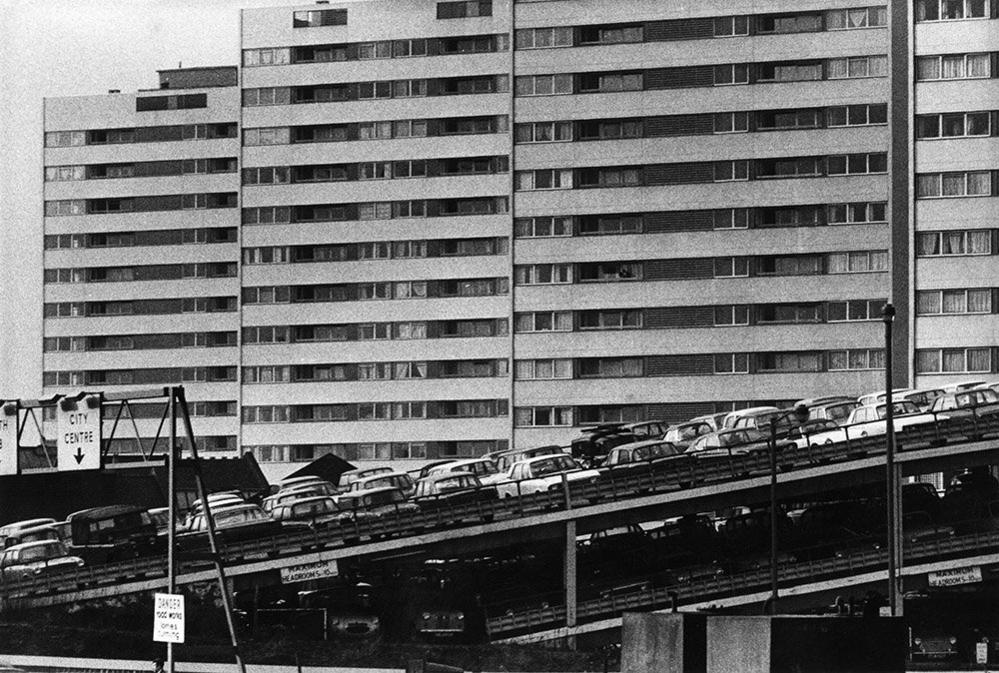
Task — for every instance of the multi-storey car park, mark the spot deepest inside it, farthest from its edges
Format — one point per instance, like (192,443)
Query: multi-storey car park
(406,230)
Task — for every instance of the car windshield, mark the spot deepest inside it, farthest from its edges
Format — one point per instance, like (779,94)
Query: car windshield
(313,508)
(838,412)
(382,498)
(689,431)
(660,450)
(899,408)
(229,517)
(454,483)
(481,468)
(42,552)
(553,465)
(733,438)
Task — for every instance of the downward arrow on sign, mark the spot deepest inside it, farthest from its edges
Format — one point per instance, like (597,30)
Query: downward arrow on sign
(79,456)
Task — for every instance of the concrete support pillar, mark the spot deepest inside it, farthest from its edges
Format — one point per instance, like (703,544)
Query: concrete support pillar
(569,568)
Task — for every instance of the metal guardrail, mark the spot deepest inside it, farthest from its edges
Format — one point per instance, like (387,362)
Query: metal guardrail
(614,485)
(723,586)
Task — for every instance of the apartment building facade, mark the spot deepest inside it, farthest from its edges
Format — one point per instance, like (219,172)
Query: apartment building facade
(469,225)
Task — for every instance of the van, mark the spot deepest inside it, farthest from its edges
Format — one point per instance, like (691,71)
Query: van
(113,533)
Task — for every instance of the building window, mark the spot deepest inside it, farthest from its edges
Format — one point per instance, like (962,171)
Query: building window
(731,267)
(857,262)
(543,416)
(610,82)
(854,310)
(314,18)
(275,56)
(856,358)
(789,72)
(856,213)
(726,316)
(529,370)
(597,272)
(731,122)
(543,132)
(731,171)
(944,302)
(602,225)
(857,164)
(610,367)
(769,24)
(789,362)
(65,139)
(946,360)
(857,115)
(731,73)
(731,26)
(266,96)
(943,185)
(788,314)
(787,120)
(280,135)
(943,243)
(542,227)
(544,85)
(731,363)
(791,167)
(953,66)
(610,319)
(544,178)
(860,17)
(544,38)
(954,125)
(857,66)
(951,10)
(543,321)
(464,9)
(542,274)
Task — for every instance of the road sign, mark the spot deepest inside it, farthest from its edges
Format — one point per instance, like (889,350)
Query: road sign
(954,576)
(309,571)
(168,618)
(981,653)
(79,425)
(8,438)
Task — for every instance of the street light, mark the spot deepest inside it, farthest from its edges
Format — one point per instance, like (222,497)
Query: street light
(800,413)
(891,484)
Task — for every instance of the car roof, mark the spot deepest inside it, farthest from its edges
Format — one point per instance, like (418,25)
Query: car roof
(823,400)
(536,459)
(27,523)
(361,494)
(311,498)
(442,476)
(105,511)
(27,545)
(380,475)
(640,444)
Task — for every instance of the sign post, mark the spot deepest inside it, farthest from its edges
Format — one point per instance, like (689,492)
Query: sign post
(168,618)
(8,437)
(78,445)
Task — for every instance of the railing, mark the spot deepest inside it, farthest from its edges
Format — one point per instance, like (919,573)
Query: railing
(612,604)
(613,485)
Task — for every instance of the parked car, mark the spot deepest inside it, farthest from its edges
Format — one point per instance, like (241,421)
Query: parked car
(640,455)
(399,480)
(350,476)
(714,420)
(834,410)
(652,429)
(923,398)
(443,490)
(483,468)
(869,421)
(726,443)
(375,502)
(234,524)
(16,527)
(963,385)
(543,473)
(592,446)
(31,559)
(733,418)
(292,494)
(879,397)
(801,436)
(46,531)
(684,434)
(981,401)
(351,609)
(505,459)
(113,533)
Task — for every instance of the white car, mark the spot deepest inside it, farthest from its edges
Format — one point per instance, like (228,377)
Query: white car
(869,421)
(483,468)
(543,473)
(35,558)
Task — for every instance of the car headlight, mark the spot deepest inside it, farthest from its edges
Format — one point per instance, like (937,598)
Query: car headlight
(460,616)
(426,615)
(917,641)
(953,640)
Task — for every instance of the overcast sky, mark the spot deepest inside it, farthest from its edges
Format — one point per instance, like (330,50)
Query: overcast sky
(71,48)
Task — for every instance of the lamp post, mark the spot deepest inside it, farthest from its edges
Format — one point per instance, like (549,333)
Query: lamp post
(800,413)
(891,484)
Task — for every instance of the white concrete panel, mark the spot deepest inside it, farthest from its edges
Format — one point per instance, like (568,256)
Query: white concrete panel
(142,255)
(957,213)
(703,148)
(377,311)
(757,338)
(952,37)
(703,99)
(437,429)
(339,392)
(376,110)
(682,244)
(956,331)
(402,229)
(144,324)
(142,359)
(397,350)
(707,195)
(954,95)
(437,147)
(159,151)
(109,189)
(696,292)
(77,113)
(963,271)
(164,219)
(144,290)
(963,154)
(377,190)
(441,268)
(680,53)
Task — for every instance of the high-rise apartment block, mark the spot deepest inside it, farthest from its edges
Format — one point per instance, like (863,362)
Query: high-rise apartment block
(407,230)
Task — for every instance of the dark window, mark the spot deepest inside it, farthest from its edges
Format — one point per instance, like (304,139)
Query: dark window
(464,9)
(319,17)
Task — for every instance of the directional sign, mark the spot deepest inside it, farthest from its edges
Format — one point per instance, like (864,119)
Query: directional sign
(79,441)
(8,438)
(168,618)
(309,571)
(954,576)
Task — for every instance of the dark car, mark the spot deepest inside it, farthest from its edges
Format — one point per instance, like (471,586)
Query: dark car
(113,533)
(505,459)
(592,447)
(442,491)
(23,561)
(684,434)
(641,454)
(375,502)
(233,524)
